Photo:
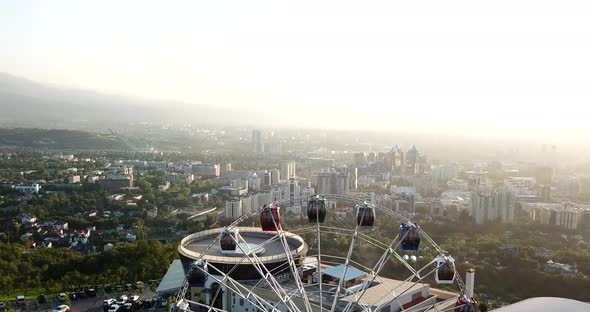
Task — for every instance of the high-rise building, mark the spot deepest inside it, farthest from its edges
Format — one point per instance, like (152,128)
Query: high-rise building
(239,183)
(248,204)
(414,162)
(444,173)
(275,176)
(396,158)
(288,170)
(206,170)
(255,202)
(233,208)
(568,218)
(294,192)
(267,178)
(505,203)
(277,193)
(406,202)
(354,178)
(489,207)
(565,215)
(254,183)
(333,182)
(257,141)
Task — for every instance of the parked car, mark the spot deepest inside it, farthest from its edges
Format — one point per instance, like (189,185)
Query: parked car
(20,300)
(91,292)
(73,296)
(61,297)
(81,293)
(62,308)
(3,306)
(114,308)
(108,302)
(122,300)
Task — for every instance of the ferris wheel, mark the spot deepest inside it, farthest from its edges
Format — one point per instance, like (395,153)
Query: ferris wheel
(359,257)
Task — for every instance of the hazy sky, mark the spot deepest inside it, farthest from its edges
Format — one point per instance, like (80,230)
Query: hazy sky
(473,67)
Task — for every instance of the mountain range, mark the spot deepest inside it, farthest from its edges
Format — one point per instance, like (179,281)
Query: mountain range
(26,103)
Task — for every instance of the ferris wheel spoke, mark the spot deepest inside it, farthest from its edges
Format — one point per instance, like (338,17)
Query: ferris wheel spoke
(346,263)
(388,290)
(319,268)
(376,270)
(330,262)
(274,238)
(226,277)
(451,302)
(265,273)
(201,305)
(385,257)
(405,284)
(237,288)
(293,267)
(184,288)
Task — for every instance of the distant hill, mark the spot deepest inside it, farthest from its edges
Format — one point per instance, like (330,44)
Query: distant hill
(58,139)
(25,103)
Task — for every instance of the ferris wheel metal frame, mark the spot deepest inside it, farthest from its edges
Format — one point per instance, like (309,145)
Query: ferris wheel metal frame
(287,297)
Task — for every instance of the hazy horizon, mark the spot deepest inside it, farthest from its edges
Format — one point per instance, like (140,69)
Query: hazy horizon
(501,69)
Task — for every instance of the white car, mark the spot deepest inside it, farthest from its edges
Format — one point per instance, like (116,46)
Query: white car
(108,302)
(114,308)
(122,300)
(61,296)
(62,308)
(20,300)
(134,298)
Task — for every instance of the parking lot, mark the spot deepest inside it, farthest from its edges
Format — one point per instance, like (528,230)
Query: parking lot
(91,304)
(95,304)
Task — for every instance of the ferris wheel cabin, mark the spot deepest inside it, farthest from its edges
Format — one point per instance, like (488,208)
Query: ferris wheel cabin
(410,236)
(270,218)
(316,209)
(228,240)
(445,270)
(365,215)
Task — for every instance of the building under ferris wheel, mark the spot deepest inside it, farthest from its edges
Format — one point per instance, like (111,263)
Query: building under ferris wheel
(329,262)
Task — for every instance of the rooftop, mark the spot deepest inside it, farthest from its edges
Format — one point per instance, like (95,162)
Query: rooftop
(337,271)
(196,243)
(173,279)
